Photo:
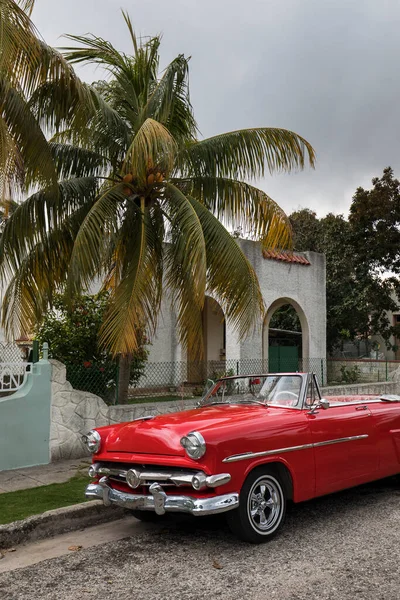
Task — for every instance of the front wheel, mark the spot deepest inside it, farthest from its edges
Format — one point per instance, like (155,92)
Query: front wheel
(262,507)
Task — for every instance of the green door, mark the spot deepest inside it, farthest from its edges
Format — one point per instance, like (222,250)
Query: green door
(283,359)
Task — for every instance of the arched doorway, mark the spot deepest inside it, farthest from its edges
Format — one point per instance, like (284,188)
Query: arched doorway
(214,331)
(285,337)
(214,339)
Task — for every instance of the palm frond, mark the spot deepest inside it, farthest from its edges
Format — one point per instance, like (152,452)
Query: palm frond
(76,162)
(18,37)
(25,60)
(108,119)
(27,137)
(26,5)
(169,102)
(230,276)
(246,153)
(132,33)
(37,275)
(152,147)
(79,108)
(186,267)
(40,213)
(133,77)
(94,140)
(241,206)
(100,224)
(95,50)
(11,162)
(58,105)
(135,299)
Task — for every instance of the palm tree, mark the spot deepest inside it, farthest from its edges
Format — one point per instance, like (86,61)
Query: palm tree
(132,174)
(26,64)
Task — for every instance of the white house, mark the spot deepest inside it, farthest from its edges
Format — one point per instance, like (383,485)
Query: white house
(297,279)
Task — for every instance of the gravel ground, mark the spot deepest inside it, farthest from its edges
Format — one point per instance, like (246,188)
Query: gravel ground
(344,546)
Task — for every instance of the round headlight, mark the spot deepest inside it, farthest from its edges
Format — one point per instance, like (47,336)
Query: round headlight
(194,445)
(92,441)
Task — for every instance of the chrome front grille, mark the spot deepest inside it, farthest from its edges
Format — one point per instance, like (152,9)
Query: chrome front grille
(145,476)
(140,475)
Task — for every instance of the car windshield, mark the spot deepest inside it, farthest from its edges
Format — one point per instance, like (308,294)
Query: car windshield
(272,390)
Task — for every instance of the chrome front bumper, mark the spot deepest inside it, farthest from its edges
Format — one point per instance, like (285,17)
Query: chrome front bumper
(160,502)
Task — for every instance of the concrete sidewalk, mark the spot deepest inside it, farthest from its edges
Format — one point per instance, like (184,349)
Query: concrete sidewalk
(31,477)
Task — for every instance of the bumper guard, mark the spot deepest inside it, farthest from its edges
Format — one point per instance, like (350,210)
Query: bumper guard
(160,502)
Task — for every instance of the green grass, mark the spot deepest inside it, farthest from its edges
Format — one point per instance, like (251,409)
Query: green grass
(24,503)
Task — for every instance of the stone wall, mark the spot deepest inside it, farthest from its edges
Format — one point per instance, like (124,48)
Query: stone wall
(384,387)
(74,413)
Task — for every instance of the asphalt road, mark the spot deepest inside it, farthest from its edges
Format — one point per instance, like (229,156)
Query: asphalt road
(345,546)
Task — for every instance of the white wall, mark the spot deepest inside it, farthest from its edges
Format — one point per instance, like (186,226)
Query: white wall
(303,285)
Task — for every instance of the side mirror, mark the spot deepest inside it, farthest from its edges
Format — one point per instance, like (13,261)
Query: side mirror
(323,403)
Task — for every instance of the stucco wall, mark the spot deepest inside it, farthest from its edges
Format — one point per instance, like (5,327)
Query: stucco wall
(165,346)
(304,285)
(291,282)
(25,421)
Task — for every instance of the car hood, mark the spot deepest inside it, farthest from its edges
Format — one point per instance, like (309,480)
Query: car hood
(162,434)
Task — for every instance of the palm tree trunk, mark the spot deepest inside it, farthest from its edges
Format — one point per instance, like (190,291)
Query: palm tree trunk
(125,361)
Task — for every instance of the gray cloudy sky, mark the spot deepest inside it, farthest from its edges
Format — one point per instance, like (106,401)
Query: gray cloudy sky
(327,69)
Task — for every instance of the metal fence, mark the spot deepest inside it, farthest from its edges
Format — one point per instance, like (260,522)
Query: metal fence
(98,378)
(14,367)
(13,376)
(178,380)
(11,353)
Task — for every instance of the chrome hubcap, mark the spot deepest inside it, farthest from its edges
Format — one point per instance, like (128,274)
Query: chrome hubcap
(265,504)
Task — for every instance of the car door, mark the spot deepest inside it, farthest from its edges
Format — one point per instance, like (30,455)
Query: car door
(344,442)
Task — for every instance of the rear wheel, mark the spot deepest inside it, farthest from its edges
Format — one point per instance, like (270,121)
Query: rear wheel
(262,507)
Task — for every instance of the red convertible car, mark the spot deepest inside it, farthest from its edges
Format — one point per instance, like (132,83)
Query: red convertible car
(253,444)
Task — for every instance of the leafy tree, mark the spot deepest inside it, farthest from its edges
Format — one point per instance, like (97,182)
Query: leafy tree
(375,221)
(286,318)
(73,334)
(357,297)
(131,172)
(72,331)
(306,230)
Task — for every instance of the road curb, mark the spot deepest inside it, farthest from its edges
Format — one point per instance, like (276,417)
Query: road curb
(55,522)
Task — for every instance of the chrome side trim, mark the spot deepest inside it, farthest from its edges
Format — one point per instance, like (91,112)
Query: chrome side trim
(160,502)
(246,455)
(352,438)
(236,457)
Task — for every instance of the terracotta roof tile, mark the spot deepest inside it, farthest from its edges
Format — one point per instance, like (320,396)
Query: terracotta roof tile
(284,256)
